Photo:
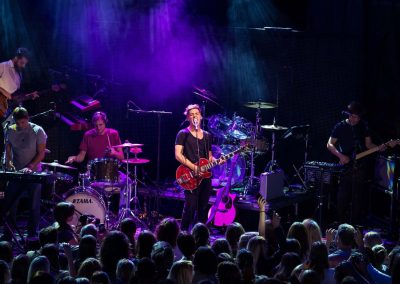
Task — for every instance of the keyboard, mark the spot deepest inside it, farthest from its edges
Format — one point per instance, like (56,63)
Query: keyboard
(36,177)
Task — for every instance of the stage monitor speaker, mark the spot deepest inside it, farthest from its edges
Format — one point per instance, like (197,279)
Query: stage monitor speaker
(271,184)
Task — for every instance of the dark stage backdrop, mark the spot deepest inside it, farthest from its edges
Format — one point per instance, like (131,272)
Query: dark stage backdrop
(153,52)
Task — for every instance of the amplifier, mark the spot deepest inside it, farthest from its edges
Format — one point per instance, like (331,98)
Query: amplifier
(271,184)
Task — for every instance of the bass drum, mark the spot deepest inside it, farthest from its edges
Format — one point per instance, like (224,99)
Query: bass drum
(87,201)
(220,174)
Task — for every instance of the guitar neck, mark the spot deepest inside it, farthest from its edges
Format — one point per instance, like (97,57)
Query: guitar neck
(220,159)
(367,152)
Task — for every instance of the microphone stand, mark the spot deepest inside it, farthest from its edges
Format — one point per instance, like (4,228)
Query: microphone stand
(159,113)
(354,168)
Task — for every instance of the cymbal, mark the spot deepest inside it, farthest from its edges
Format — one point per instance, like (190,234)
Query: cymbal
(273,127)
(127,145)
(261,105)
(58,165)
(136,161)
(47,151)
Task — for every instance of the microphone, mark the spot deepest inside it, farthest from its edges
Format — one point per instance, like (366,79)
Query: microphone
(196,123)
(345,112)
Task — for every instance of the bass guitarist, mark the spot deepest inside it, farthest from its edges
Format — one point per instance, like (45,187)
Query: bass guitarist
(191,144)
(349,137)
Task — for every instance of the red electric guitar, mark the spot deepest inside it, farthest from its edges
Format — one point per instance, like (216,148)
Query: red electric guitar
(189,180)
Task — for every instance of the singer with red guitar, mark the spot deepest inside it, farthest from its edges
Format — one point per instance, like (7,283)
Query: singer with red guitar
(191,144)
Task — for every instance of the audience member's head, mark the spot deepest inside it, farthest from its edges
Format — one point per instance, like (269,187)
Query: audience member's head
(379,255)
(345,236)
(258,248)
(394,265)
(270,237)
(6,252)
(144,244)
(181,272)
(205,261)
(349,280)
(48,235)
(309,276)
(228,273)
(88,267)
(89,229)
(232,235)
(115,246)
(293,245)
(288,262)
(20,268)
(201,235)
(371,239)
(100,277)
(245,238)
(313,231)
(146,270)
(318,258)
(63,212)
(125,270)
(167,231)
(82,280)
(51,251)
(128,227)
(186,245)
(244,260)
(5,275)
(223,256)
(87,247)
(40,263)
(67,280)
(42,277)
(221,245)
(298,231)
(163,257)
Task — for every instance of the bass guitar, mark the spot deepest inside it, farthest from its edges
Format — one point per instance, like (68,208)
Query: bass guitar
(190,180)
(390,143)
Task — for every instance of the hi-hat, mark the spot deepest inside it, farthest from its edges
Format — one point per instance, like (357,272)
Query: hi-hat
(260,105)
(136,161)
(273,127)
(55,164)
(128,145)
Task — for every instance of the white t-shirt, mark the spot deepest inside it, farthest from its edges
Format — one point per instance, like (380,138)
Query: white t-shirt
(10,79)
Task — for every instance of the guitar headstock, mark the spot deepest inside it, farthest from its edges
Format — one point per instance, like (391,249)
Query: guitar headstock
(393,143)
(58,87)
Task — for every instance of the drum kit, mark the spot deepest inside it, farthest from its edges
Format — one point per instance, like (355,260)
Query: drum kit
(228,132)
(103,179)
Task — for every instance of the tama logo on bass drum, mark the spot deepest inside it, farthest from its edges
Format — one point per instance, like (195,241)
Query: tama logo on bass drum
(81,200)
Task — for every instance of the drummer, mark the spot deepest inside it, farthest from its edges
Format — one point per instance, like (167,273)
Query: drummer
(98,142)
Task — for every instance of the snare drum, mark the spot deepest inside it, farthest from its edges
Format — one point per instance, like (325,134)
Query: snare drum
(103,172)
(87,201)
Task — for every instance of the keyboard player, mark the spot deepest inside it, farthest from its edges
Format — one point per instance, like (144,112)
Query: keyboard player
(25,149)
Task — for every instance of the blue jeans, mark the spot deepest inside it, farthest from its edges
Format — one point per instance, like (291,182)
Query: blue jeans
(14,192)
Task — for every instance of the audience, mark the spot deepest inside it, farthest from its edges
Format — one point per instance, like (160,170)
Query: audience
(171,256)
(181,272)
(63,213)
(344,242)
(201,235)
(187,245)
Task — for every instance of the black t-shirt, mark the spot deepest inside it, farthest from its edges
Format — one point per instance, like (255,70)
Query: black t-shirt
(343,132)
(189,143)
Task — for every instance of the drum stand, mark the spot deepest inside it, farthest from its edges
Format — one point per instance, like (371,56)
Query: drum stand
(127,212)
(251,184)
